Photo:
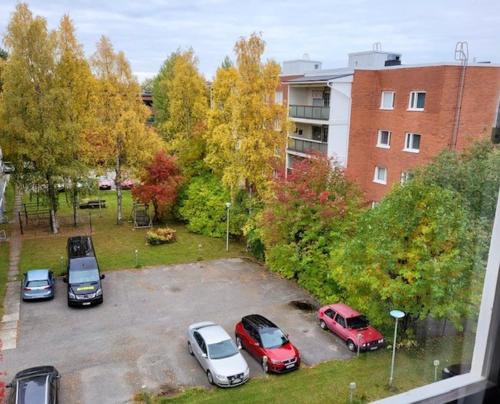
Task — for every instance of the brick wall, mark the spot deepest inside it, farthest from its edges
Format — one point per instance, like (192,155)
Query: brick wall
(435,123)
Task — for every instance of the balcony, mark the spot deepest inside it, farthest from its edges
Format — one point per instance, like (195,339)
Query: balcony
(309,112)
(307,146)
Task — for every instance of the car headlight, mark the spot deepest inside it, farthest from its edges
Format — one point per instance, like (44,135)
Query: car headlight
(364,344)
(71,295)
(98,292)
(247,371)
(381,340)
(221,377)
(274,362)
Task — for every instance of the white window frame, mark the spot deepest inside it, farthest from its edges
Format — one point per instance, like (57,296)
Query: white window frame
(382,99)
(278,97)
(484,363)
(375,176)
(409,135)
(379,137)
(405,176)
(414,97)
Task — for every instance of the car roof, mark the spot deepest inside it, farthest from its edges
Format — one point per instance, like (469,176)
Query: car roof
(259,321)
(344,310)
(83,263)
(213,333)
(37,275)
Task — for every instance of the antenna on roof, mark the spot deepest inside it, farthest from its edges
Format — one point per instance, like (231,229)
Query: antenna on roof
(377,46)
(461,55)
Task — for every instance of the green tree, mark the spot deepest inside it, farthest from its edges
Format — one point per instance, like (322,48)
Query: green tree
(187,112)
(308,212)
(34,125)
(160,90)
(74,97)
(413,252)
(3,58)
(121,139)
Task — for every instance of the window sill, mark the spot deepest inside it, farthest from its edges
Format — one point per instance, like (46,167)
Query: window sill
(386,109)
(383,146)
(416,109)
(412,150)
(380,182)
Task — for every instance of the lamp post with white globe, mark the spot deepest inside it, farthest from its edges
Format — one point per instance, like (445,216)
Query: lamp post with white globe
(396,314)
(228,206)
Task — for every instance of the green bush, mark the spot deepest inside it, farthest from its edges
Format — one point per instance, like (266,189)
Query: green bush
(161,236)
(202,205)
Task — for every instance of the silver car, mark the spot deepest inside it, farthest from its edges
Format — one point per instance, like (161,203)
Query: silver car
(38,284)
(218,355)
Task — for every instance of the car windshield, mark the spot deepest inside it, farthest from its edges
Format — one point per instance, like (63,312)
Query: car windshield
(357,322)
(32,391)
(37,284)
(272,338)
(223,349)
(83,276)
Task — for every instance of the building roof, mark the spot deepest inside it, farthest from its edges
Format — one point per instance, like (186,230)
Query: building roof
(38,275)
(317,78)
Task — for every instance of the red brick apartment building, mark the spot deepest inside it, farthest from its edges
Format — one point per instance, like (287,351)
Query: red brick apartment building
(393,118)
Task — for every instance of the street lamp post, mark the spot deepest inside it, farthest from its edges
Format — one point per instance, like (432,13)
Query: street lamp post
(228,206)
(396,314)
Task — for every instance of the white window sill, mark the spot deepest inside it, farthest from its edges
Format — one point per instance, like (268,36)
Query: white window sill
(383,146)
(416,109)
(412,150)
(387,109)
(380,182)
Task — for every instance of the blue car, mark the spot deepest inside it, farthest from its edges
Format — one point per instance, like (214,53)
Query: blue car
(38,284)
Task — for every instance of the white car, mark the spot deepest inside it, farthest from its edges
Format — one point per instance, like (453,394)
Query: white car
(218,355)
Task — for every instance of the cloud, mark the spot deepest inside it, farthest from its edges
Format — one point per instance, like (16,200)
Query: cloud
(424,31)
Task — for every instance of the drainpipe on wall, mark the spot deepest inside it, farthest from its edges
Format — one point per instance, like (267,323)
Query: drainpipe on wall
(462,55)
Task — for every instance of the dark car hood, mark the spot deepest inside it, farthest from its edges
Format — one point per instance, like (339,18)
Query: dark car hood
(84,288)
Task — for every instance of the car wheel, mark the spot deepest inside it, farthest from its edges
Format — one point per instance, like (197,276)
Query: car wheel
(238,342)
(210,377)
(190,349)
(265,366)
(351,346)
(323,325)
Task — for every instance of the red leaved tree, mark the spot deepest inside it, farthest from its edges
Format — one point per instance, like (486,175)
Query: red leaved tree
(160,184)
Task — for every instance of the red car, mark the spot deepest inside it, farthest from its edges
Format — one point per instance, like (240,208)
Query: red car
(267,343)
(351,326)
(127,184)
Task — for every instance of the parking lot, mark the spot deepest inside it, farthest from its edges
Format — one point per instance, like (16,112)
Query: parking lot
(137,336)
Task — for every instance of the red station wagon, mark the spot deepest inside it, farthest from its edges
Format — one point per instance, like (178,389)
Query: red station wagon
(262,338)
(351,326)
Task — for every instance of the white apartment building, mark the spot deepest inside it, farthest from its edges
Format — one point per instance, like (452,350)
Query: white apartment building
(319,104)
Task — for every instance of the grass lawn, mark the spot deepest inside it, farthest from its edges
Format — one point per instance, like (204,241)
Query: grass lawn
(329,381)
(116,244)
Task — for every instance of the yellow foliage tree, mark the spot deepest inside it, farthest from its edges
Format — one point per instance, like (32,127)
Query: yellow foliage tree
(246,129)
(187,111)
(121,139)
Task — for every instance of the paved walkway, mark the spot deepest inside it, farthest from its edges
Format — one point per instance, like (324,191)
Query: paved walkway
(10,319)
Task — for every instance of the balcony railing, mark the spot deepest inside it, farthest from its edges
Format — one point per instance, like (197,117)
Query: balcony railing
(307,146)
(309,112)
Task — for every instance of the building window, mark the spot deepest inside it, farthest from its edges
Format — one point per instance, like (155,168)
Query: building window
(380,175)
(387,100)
(278,97)
(384,139)
(406,176)
(412,142)
(320,133)
(417,101)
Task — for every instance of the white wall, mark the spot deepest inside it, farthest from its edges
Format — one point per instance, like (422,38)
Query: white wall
(340,116)
(291,67)
(370,59)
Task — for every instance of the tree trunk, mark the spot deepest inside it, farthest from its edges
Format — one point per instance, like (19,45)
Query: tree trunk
(118,185)
(75,202)
(156,218)
(52,204)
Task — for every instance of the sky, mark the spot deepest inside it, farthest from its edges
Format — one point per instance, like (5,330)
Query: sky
(424,31)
